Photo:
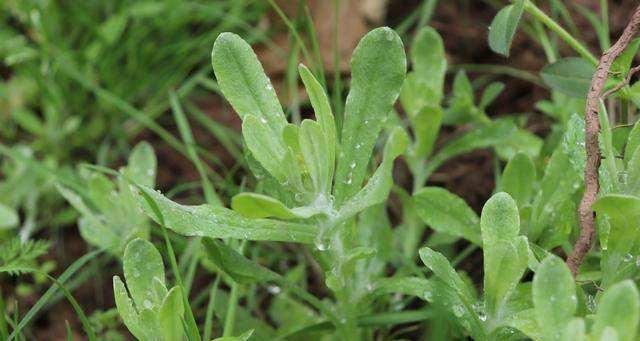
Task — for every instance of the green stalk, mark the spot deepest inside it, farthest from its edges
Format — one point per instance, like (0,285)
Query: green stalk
(604,13)
(230,317)
(208,319)
(532,9)
(4,331)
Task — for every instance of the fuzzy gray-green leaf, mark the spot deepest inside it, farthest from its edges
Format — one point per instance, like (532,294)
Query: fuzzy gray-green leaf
(243,82)
(619,308)
(446,212)
(378,68)
(142,266)
(220,222)
(518,178)
(554,297)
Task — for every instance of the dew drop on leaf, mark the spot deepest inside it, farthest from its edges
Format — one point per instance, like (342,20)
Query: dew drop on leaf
(274,289)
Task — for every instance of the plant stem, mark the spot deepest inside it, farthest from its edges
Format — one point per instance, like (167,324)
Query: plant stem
(532,9)
(4,331)
(208,320)
(592,131)
(230,317)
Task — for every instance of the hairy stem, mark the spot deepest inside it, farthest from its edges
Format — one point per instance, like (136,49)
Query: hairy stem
(592,129)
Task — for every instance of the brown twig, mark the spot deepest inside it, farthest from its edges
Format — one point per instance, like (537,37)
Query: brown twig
(592,129)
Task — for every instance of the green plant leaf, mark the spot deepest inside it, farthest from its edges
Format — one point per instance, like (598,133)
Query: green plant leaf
(452,293)
(503,27)
(446,212)
(485,136)
(424,84)
(378,68)
(619,308)
(518,178)
(500,219)
(441,267)
(633,142)
(316,151)
(270,151)
(426,126)
(490,93)
(243,82)
(461,107)
(127,312)
(570,76)
(559,183)
(143,267)
(242,337)
(506,254)
(554,297)
(8,217)
(575,331)
(414,286)
(377,188)
(622,64)
(521,140)
(630,179)
(623,212)
(254,205)
(322,109)
(219,222)
(236,265)
(142,165)
(170,315)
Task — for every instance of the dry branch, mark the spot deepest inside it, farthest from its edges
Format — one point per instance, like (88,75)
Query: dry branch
(592,129)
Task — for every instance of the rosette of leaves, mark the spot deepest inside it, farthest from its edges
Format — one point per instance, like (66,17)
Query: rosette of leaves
(311,179)
(109,213)
(506,255)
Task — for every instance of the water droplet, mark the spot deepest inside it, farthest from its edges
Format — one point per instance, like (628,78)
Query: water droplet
(458,310)
(358,145)
(274,289)
(147,304)
(628,257)
(389,35)
(353,165)
(321,246)
(369,287)
(623,177)
(269,86)
(427,295)
(263,120)
(366,122)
